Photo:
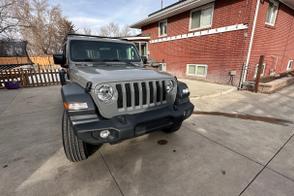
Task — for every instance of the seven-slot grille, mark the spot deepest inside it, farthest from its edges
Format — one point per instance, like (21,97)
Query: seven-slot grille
(135,95)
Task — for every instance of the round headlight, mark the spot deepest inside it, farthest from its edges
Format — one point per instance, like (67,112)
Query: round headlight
(105,92)
(169,86)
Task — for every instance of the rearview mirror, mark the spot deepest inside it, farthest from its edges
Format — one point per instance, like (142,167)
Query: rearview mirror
(144,59)
(59,59)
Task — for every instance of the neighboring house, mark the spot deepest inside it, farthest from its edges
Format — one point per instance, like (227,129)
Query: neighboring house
(216,40)
(141,43)
(13,54)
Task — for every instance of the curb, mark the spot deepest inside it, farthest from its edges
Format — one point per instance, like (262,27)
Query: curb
(214,95)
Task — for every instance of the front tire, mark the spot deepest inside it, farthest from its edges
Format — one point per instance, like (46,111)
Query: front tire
(75,149)
(175,127)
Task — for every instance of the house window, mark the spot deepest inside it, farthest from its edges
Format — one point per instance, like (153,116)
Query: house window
(162,67)
(272,12)
(198,70)
(290,65)
(263,70)
(162,28)
(201,17)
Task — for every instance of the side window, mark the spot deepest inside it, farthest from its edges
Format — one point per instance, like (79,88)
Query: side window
(272,12)
(198,70)
(64,50)
(162,28)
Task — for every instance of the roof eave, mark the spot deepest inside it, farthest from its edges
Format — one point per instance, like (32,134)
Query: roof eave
(177,9)
(289,3)
(137,38)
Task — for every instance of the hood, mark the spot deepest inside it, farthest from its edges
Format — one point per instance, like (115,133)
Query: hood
(98,74)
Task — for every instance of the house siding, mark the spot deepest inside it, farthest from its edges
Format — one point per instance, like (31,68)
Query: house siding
(276,43)
(224,52)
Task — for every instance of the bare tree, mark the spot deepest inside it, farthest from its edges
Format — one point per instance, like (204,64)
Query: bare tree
(114,30)
(43,26)
(125,31)
(8,22)
(87,31)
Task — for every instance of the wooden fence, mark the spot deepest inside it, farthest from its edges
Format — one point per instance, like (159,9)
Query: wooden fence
(44,62)
(30,78)
(40,62)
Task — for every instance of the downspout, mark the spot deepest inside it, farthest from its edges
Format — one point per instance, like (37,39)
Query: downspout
(246,65)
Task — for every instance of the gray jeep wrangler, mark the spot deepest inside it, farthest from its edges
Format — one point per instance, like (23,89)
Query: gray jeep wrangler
(109,96)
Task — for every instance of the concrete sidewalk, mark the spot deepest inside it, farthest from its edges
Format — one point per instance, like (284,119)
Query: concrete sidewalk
(201,89)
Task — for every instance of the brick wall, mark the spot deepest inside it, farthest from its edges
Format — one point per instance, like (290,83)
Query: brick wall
(227,51)
(276,43)
(222,52)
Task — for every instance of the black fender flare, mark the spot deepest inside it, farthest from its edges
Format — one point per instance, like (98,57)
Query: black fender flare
(181,96)
(74,93)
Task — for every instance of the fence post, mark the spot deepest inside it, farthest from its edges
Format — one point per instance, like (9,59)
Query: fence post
(259,71)
(32,78)
(22,80)
(1,79)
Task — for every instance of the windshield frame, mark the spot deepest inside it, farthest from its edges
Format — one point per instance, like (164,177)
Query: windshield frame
(70,51)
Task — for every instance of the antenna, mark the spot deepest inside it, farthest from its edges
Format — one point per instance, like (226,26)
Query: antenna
(161,4)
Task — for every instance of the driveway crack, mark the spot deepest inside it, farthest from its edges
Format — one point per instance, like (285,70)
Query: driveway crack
(265,166)
(108,168)
(234,151)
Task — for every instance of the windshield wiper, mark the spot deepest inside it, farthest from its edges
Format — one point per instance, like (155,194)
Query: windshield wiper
(132,63)
(128,62)
(85,60)
(111,60)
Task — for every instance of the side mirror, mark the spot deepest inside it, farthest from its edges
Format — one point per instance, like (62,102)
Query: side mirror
(59,59)
(144,59)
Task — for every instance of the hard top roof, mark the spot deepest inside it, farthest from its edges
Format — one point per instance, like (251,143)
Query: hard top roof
(73,36)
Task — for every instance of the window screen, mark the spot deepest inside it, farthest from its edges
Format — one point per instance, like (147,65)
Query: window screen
(201,18)
(162,28)
(272,11)
(197,70)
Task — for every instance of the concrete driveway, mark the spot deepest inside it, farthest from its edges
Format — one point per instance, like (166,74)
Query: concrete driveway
(203,89)
(211,155)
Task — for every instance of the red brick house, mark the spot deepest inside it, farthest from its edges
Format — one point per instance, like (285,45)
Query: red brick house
(215,39)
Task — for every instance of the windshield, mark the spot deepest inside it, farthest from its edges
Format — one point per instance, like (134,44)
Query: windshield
(91,51)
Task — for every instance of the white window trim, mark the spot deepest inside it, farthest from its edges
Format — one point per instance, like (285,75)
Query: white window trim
(196,65)
(163,35)
(263,71)
(197,9)
(288,66)
(276,16)
(140,50)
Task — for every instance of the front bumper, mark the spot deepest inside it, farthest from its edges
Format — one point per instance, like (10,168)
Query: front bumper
(88,127)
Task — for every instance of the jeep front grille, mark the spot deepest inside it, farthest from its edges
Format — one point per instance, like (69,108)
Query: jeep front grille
(136,95)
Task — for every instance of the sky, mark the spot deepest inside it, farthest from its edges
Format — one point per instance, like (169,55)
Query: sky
(93,14)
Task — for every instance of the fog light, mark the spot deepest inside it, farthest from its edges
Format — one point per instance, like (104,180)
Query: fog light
(104,134)
(186,91)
